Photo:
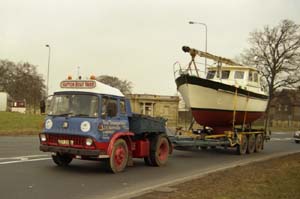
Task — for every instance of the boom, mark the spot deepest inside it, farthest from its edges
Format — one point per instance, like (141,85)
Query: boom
(193,52)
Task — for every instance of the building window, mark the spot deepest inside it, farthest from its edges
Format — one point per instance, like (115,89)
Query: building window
(279,107)
(286,107)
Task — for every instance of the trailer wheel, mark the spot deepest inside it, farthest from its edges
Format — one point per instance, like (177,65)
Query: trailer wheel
(242,147)
(159,150)
(251,143)
(259,143)
(119,157)
(62,160)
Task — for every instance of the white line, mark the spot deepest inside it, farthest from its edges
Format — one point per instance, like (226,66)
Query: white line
(19,161)
(21,157)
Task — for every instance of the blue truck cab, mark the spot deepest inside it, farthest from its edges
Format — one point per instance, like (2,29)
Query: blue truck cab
(89,120)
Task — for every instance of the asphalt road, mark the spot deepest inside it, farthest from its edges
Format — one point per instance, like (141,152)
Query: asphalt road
(27,173)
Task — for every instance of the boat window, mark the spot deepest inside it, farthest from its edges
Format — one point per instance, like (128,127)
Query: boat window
(255,77)
(239,75)
(225,74)
(211,74)
(250,77)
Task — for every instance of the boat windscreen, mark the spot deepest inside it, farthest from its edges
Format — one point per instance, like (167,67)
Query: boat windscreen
(211,74)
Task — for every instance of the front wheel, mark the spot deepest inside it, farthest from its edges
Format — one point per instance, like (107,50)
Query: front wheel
(62,159)
(159,150)
(119,157)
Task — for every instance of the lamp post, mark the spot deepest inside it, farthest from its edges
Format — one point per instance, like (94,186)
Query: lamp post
(205,26)
(47,88)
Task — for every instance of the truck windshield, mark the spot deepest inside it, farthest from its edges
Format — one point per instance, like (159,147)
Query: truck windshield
(74,105)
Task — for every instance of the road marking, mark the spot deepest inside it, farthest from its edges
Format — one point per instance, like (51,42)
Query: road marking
(20,159)
(281,139)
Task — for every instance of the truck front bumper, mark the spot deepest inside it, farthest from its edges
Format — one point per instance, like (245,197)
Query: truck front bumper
(73,151)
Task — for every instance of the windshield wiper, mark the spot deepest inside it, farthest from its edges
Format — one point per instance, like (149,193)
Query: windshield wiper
(63,114)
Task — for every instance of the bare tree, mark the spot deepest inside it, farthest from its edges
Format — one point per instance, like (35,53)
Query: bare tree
(123,85)
(276,53)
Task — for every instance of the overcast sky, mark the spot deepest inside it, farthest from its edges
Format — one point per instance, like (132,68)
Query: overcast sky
(136,40)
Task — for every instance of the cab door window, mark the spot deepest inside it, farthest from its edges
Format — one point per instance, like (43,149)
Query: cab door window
(109,107)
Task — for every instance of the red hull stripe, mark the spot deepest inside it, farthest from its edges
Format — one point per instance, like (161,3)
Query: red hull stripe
(219,118)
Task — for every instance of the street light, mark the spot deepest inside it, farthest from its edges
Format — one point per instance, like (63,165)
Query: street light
(48,46)
(203,24)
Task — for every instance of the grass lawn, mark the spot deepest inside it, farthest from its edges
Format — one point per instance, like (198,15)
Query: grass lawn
(272,179)
(12,123)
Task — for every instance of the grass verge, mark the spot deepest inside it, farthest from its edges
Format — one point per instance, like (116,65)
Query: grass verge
(12,123)
(271,179)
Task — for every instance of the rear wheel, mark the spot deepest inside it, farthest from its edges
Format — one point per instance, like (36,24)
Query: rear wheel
(119,157)
(251,143)
(259,143)
(243,145)
(159,151)
(62,159)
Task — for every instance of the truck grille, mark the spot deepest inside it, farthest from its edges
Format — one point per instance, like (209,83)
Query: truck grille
(73,141)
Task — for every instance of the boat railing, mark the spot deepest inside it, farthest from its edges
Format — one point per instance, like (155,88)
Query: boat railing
(179,70)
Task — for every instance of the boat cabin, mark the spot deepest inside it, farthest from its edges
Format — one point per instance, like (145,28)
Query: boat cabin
(244,77)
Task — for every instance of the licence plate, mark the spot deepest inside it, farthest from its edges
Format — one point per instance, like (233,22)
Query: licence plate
(64,142)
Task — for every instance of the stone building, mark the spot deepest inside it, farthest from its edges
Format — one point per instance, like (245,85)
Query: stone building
(285,109)
(157,106)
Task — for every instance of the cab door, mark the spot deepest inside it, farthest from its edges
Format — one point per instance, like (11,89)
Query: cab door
(113,117)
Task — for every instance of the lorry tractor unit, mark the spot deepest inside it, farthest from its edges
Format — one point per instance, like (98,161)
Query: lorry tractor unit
(89,120)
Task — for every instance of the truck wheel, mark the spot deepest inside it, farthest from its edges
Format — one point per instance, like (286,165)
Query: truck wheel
(251,143)
(242,147)
(297,141)
(259,143)
(119,157)
(159,150)
(62,159)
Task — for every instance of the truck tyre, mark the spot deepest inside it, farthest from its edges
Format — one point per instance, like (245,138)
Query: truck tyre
(251,143)
(297,141)
(62,160)
(119,157)
(242,146)
(159,150)
(259,143)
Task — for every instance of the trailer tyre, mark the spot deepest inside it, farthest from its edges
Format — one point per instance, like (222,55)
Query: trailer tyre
(119,157)
(251,143)
(259,143)
(62,160)
(243,145)
(159,150)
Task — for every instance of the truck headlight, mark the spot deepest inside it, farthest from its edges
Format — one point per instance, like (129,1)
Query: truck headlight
(43,137)
(89,141)
(48,124)
(85,126)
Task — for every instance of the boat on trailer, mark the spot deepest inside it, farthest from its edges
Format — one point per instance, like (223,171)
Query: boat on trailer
(228,95)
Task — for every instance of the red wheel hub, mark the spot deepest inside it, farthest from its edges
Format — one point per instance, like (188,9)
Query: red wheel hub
(119,156)
(163,150)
